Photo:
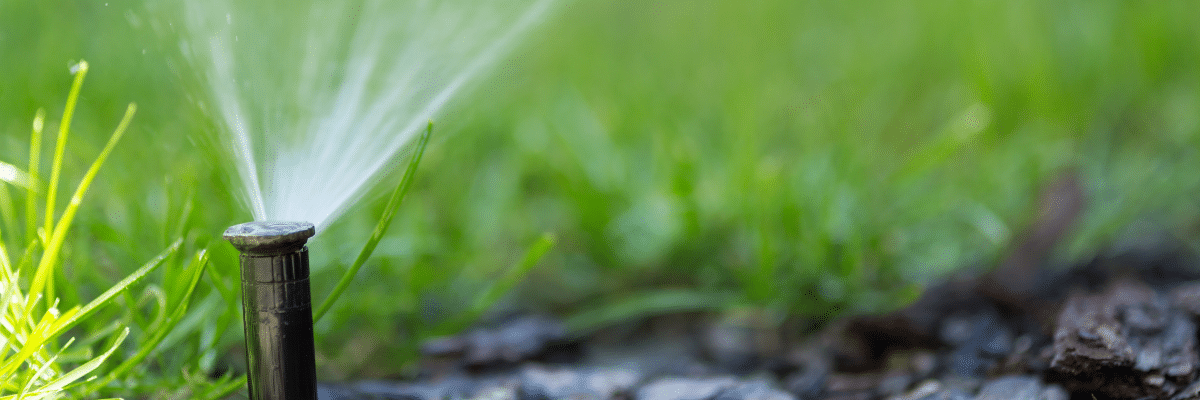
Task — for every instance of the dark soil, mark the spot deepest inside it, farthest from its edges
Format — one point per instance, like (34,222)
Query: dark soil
(1118,327)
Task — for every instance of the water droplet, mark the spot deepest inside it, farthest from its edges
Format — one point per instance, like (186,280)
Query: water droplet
(80,66)
(228,18)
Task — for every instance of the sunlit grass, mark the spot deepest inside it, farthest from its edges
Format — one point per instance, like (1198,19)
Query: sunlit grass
(36,361)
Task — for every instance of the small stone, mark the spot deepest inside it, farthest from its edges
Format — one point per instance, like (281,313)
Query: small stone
(964,384)
(1149,317)
(924,363)
(612,382)
(933,390)
(966,361)
(809,381)
(955,331)
(1000,344)
(538,383)
(1023,344)
(1150,358)
(1192,392)
(684,388)
(852,382)
(1180,370)
(501,392)
(1187,297)
(1011,388)
(1055,392)
(850,396)
(754,390)
(1155,380)
(925,389)
(894,384)
(514,341)
(460,387)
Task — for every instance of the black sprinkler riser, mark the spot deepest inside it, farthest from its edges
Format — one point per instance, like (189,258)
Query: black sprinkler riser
(277,309)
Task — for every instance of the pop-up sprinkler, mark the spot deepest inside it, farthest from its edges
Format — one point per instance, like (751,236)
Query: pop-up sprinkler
(277,308)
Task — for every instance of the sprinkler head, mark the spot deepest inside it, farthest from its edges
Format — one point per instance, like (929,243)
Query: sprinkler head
(269,237)
(276,308)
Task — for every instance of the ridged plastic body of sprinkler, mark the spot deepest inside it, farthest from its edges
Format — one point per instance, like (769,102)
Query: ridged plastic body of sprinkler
(277,308)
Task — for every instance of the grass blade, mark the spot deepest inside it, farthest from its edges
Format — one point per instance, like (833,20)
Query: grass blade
(35,156)
(10,224)
(58,234)
(489,296)
(14,176)
(227,389)
(646,304)
(380,228)
(86,368)
(60,146)
(73,316)
(150,344)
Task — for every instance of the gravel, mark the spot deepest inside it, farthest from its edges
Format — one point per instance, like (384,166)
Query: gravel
(1111,328)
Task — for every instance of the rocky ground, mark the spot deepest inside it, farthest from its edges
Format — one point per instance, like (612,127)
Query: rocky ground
(1118,327)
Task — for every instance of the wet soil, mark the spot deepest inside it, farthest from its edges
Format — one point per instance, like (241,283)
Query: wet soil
(1121,327)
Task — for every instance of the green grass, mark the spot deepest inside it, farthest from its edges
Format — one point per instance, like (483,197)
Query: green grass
(35,361)
(799,158)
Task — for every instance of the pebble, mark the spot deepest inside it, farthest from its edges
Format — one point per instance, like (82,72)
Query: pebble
(923,390)
(754,390)
(513,341)
(338,392)
(455,387)
(501,392)
(1055,392)
(1020,388)
(809,381)
(540,383)
(934,390)
(684,388)
(894,384)
(979,340)
(1192,392)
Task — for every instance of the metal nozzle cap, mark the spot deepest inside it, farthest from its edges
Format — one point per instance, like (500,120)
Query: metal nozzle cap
(269,237)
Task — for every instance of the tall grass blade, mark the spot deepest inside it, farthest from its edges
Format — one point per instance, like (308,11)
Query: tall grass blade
(227,389)
(645,304)
(41,371)
(60,146)
(381,228)
(147,346)
(86,368)
(35,157)
(10,224)
(14,176)
(51,254)
(71,317)
(489,296)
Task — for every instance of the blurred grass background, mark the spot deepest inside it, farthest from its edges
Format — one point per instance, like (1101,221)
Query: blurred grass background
(804,158)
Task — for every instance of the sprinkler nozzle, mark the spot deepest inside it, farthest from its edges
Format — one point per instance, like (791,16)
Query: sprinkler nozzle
(276,308)
(269,237)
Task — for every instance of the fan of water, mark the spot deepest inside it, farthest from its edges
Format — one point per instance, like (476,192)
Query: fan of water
(317,97)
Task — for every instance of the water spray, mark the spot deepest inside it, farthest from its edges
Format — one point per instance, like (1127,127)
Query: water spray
(276,308)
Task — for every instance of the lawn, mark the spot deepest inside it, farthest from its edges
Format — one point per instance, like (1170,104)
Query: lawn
(805,159)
